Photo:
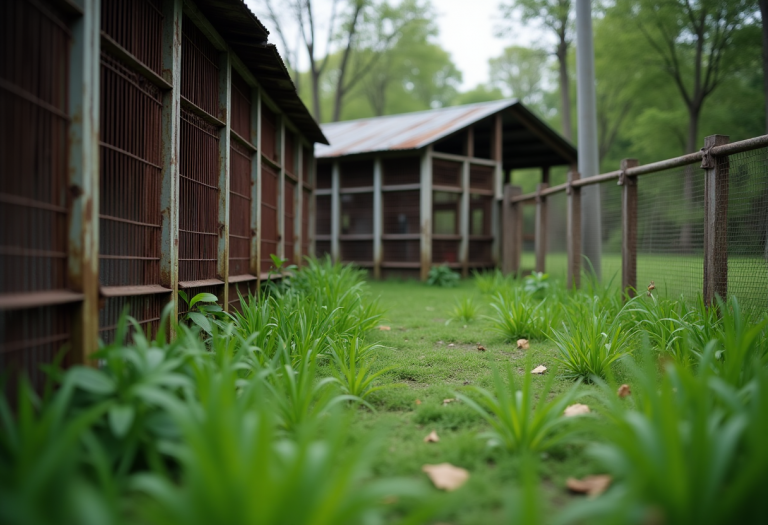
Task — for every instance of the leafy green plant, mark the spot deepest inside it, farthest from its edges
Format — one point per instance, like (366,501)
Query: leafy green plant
(590,342)
(490,282)
(442,277)
(464,310)
(521,420)
(517,315)
(204,312)
(353,372)
(537,284)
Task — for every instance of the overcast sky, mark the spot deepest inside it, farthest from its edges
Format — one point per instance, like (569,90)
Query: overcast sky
(467,30)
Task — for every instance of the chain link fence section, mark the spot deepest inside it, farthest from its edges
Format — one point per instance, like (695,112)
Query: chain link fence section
(747,227)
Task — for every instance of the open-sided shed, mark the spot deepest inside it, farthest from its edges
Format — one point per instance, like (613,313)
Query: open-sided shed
(400,193)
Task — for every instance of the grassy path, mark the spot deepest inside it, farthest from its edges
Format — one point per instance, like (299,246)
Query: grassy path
(431,362)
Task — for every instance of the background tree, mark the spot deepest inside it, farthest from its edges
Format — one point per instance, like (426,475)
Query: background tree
(522,73)
(555,16)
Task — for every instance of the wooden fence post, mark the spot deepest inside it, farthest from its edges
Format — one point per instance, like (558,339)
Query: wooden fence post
(541,228)
(628,229)
(573,230)
(715,221)
(511,230)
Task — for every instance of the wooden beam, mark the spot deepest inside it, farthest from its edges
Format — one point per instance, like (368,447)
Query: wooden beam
(716,221)
(225,114)
(426,212)
(628,230)
(573,231)
(511,230)
(541,228)
(255,252)
(281,190)
(464,216)
(299,205)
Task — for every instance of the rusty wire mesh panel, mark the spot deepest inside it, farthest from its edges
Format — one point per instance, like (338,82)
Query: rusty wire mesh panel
(401,274)
(137,25)
(33,148)
(240,118)
(359,252)
(269,142)
(290,153)
(670,232)
(481,177)
(199,69)
(357,214)
(246,289)
(446,211)
(269,195)
(289,220)
(322,248)
(401,251)
(239,209)
(146,309)
(324,175)
(34,116)
(748,227)
(480,236)
(30,338)
(446,173)
(445,251)
(402,170)
(401,211)
(198,199)
(356,174)
(307,174)
(556,265)
(129,199)
(305,221)
(323,215)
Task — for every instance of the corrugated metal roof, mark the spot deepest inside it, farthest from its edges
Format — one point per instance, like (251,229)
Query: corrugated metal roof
(406,131)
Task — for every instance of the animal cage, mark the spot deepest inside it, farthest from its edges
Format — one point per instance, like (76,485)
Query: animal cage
(270,179)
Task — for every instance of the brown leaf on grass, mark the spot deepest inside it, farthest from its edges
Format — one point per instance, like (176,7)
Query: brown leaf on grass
(539,370)
(449,400)
(445,476)
(591,485)
(385,328)
(623,391)
(418,401)
(522,344)
(576,410)
(432,437)
(451,345)
(480,347)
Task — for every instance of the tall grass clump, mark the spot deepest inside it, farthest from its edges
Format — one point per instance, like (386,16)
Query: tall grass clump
(464,310)
(352,368)
(518,315)
(591,341)
(521,420)
(490,282)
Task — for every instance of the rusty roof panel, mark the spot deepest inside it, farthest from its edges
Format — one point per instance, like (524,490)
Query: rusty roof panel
(406,131)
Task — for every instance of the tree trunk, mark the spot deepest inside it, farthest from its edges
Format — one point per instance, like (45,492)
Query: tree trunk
(316,92)
(686,231)
(565,94)
(764,12)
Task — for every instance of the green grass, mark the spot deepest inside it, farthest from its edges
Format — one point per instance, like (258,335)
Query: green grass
(430,371)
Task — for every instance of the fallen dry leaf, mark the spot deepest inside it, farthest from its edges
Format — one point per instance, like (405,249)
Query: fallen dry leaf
(451,345)
(446,401)
(445,476)
(480,347)
(439,342)
(432,437)
(624,391)
(522,344)
(539,370)
(418,401)
(385,328)
(576,410)
(591,485)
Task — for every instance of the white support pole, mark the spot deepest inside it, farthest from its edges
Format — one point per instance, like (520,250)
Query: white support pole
(426,212)
(464,220)
(225,104)
(378,218)
(589,164)
(335,212)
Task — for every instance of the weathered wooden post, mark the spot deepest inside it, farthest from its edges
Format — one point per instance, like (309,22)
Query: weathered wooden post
(541,227)
(511,229)
(628,229)
(573,229)
(715,220)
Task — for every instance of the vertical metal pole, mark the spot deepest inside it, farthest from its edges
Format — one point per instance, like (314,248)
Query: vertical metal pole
(335,212)
(541,228)
(171,139)
(589,164)
(256,186)
(83,246)
(573,231)
(378,218)
(298,220)
(426,212)
(281,192)
(225,114)
(498,175)
(628,230)
(716,222)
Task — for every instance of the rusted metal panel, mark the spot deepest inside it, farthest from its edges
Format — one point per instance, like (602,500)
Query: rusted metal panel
(270,179)
(289,218)
(269,129)
(241,107)
(137,26)
(256,184)
(281,194)
(199,69)
(146,309)
(240,209)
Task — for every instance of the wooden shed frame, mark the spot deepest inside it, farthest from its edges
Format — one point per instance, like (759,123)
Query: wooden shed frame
(478,145)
